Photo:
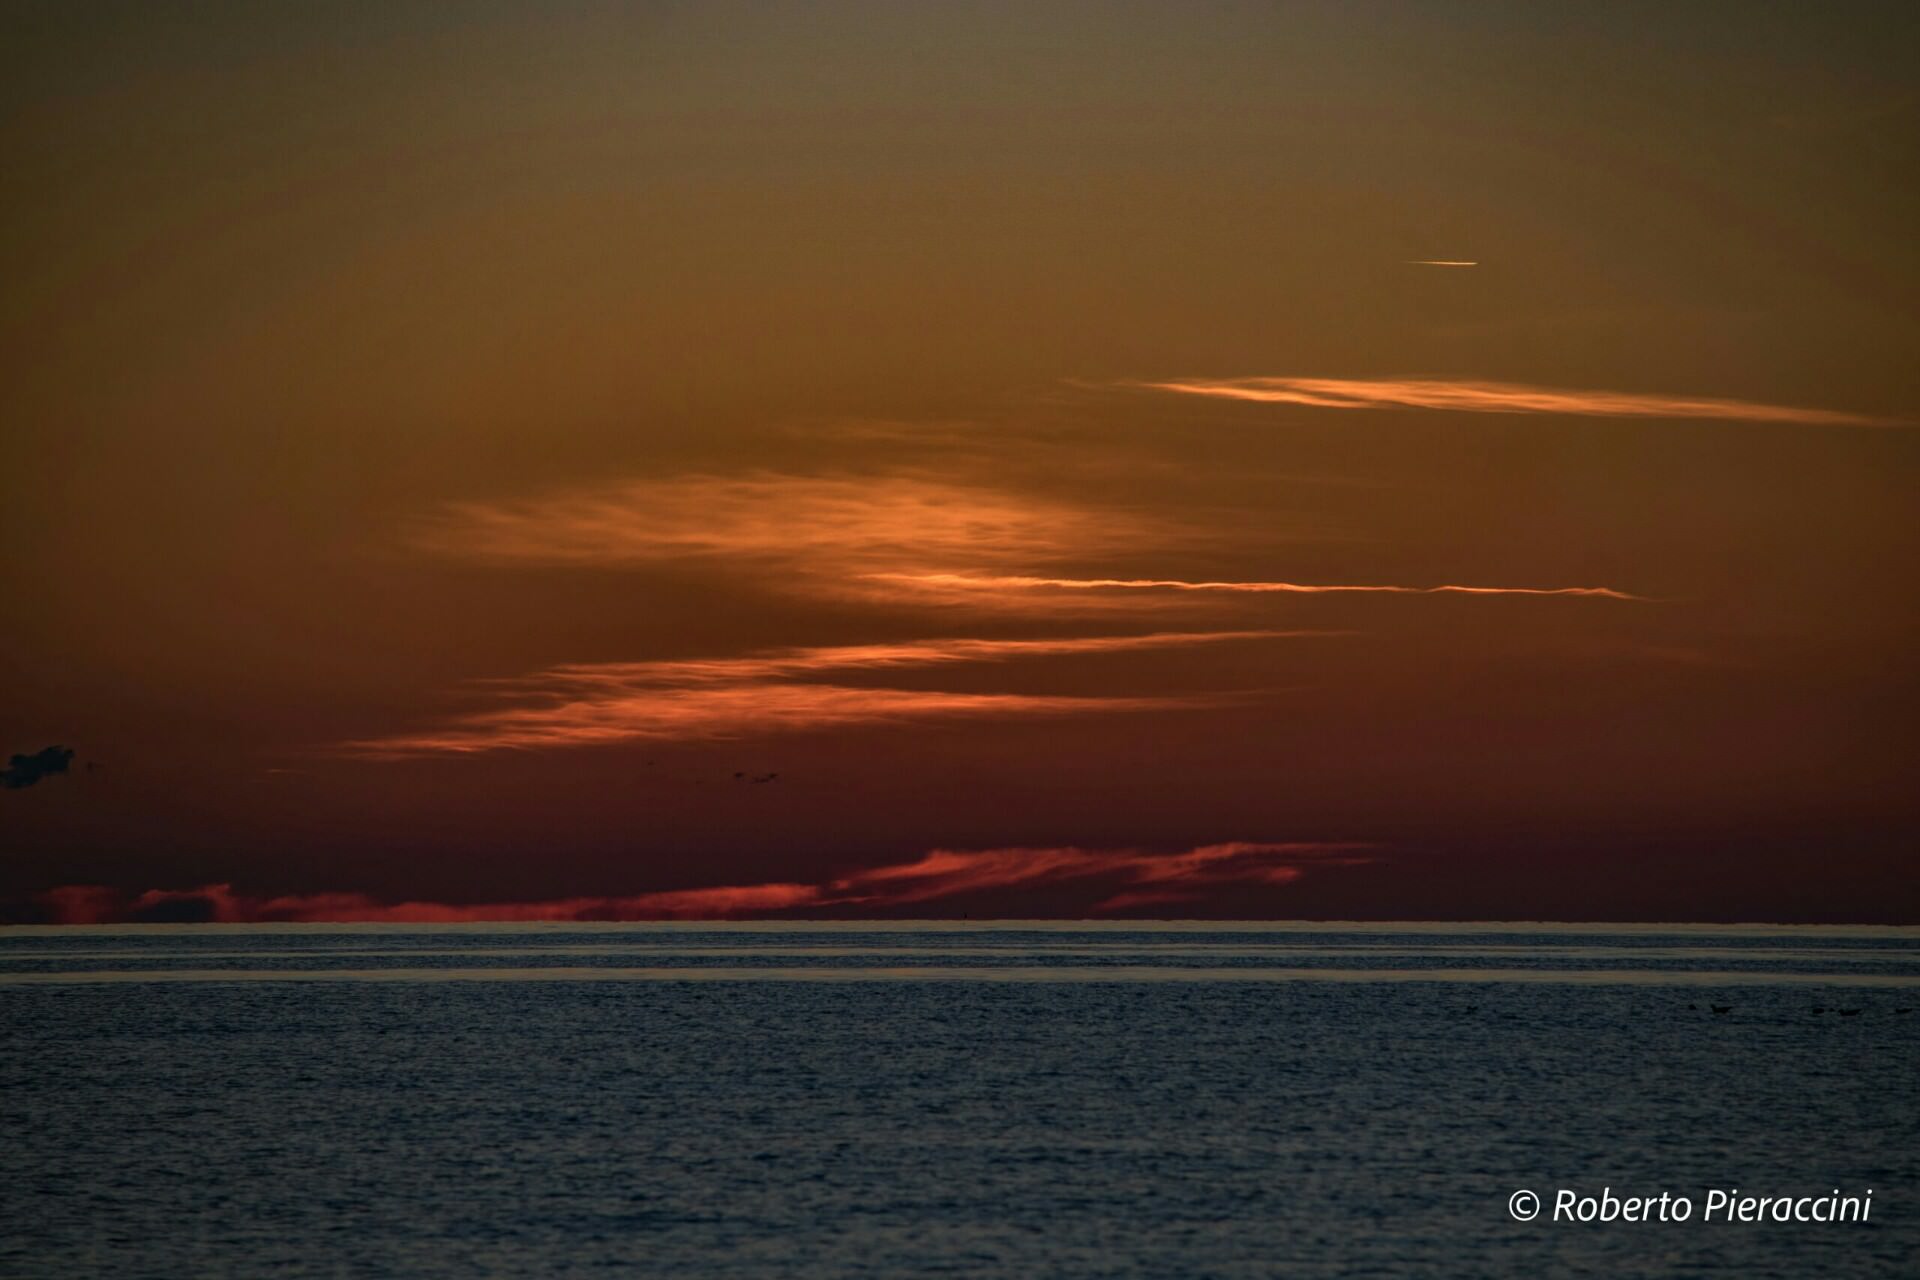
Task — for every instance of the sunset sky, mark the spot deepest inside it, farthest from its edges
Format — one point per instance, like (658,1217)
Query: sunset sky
(1331,460)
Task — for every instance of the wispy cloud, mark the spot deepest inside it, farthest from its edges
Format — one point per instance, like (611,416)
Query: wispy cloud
(986,583)
(821,526)
(910,653)
(583,704)
(1503,397)
(734,711)
(897,538)
(1103,880)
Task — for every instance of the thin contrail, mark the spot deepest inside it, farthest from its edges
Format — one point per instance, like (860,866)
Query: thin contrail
(1022,582)
(1440,262)
(1503,397)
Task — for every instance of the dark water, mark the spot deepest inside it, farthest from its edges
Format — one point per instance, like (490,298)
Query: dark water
(989,1101)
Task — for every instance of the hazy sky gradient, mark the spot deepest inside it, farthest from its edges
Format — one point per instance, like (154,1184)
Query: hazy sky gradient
(388,375)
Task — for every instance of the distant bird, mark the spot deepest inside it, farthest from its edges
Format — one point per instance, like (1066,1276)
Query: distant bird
(754,779)
(1908,1009)
(1692,1006)
(1819,1008)
(1849,1013)
(1723,1008)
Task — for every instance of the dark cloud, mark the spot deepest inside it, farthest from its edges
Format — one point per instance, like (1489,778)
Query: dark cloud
(24,771)
(176,909)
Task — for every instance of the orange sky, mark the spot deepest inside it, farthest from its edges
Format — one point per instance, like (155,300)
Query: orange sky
(1040,459)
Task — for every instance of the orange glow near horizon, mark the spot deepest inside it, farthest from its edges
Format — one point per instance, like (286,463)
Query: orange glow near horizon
(448,450)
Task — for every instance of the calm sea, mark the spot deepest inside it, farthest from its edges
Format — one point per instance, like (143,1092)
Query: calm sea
(937,1099)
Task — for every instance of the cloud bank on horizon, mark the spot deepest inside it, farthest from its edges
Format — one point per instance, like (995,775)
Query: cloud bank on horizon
(1106,880)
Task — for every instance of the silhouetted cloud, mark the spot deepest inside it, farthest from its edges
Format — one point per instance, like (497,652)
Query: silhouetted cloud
(191,907)
(25,770)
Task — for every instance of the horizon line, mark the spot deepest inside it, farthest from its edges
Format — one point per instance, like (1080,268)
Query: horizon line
(1106,924)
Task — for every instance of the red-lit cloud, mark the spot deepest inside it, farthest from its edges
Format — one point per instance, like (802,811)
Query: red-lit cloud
(1109,880)
(584,704)
(1503,397)
(1129,876)
(83,904)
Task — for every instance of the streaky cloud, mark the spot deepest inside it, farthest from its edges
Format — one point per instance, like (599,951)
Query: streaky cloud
(738,711)
(1503,397)
(858,657)
(586,704)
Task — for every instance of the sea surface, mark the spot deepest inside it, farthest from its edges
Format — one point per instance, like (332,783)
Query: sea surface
(948,1099)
